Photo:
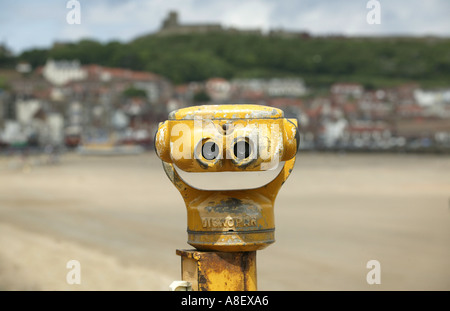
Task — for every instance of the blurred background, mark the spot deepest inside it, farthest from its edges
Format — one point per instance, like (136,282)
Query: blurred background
(83,86)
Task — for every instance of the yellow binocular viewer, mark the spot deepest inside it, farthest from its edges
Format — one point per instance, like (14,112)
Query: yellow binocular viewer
(219,138)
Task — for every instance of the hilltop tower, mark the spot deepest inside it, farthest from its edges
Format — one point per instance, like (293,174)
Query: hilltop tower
(171,21)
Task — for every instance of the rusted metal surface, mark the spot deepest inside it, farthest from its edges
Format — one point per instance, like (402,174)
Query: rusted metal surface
(220,112)
(230,220)
(237,138)
(244,137)
(219,271)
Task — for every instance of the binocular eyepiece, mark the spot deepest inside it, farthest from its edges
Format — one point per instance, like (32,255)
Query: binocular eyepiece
(241,150)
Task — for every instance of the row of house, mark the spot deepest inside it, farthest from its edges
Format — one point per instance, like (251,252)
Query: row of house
(348,117)
(65,101)
(220,90)
(400,117)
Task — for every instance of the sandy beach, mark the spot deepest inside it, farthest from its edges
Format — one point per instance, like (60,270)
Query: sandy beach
(122,220)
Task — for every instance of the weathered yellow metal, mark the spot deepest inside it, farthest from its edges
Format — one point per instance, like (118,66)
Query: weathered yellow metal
(218,271)
(244,137)
(228,138)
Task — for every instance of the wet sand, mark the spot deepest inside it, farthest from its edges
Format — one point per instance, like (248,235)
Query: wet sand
(122,219)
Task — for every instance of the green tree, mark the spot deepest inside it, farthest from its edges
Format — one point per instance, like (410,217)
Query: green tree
(320,61)
(134,92)
(201,97)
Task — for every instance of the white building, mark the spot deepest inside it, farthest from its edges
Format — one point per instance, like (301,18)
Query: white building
(218,89)
(355,90)
(61,72)
(276,87)
(430,98)
(27,109)
(286,87)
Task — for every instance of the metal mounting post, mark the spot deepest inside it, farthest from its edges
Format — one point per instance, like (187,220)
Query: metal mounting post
(219,271)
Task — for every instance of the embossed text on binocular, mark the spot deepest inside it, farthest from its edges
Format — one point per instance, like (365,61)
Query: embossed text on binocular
(228,222)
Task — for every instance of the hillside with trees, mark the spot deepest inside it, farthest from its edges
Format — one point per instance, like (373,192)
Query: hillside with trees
(321,61)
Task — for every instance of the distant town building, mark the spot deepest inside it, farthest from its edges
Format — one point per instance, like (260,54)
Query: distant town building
(26,110)
(218,89)
(3,104)
(286,87)
(61,72)
(429,98)
(156,87)
(66,102)
(35,124)
(354,90)
(276,87)
(23,67)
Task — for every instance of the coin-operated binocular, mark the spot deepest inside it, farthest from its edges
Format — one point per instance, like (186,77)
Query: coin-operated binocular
(220,138)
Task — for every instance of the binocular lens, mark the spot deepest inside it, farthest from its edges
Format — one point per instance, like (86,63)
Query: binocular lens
(242,150)
(210,150)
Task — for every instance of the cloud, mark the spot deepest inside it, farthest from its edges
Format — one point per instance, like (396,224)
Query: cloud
(412,17)
(250,14)
(24,24)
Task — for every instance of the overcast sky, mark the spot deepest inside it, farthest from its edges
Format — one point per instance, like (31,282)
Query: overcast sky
(29,23)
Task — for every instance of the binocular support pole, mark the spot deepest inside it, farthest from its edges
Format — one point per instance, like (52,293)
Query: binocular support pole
(213,270)
(226,227)
(219,271)
(235,269)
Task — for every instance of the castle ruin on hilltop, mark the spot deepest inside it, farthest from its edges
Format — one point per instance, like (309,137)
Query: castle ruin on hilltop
(172,26)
